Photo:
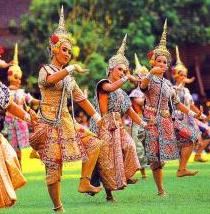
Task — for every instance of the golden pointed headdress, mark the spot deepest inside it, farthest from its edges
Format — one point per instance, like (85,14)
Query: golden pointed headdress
(179,66)
(61,29)
(139,70)
(15,57)
(161,49)
(14,70)
(119,58)
(60,34)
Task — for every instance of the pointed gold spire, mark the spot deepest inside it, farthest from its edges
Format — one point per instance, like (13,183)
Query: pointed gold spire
(139,70)
(15,57)
(161,49)
(178,60)
(179,64)
(14,70)
(121,50)
(137,63)
(60,34)
(61,29)
(163,37)
(119,57)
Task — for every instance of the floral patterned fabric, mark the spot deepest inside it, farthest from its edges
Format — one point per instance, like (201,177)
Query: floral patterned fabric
(4,102)
(11,177)
(5,96)
(138,135)
(119,102)
(186,99)
(161,142)
(16,129)
(118,159)
(63,144)
(138,132)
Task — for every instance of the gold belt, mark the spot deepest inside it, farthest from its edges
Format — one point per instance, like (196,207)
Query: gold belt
(52,108)
(163,113)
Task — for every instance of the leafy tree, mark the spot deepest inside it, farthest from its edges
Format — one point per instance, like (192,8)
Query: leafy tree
(99,26)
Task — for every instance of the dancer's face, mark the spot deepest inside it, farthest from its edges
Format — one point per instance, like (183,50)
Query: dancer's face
(14,78)
(181,76)
(64,54)
(119,71)
(83,117)
(161,61)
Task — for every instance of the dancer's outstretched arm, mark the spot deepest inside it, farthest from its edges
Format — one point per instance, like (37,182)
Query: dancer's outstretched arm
(59,75)
(110,87)
(14,109)
(135,117)
(154,71)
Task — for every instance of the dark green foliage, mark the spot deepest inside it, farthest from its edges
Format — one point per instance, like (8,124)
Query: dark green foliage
(99,26)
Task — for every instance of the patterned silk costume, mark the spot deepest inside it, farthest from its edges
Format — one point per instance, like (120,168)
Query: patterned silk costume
(118,160)
(16,129)
(187,100)
(62,145)
(11,177)
(138,133)
(161,142)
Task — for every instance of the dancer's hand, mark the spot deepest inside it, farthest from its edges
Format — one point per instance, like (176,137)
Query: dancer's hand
(200,113)
(189,80)
(157,70)
(4,64)
(79,69)
(34,117)
(133,78)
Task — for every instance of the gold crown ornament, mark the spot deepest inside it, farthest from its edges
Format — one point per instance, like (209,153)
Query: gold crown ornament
(179,66)
(60,35)
(139,69)
(14,71)
(161,49)
(119,58)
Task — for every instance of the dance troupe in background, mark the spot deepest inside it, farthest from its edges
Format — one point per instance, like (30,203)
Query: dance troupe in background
(165,122)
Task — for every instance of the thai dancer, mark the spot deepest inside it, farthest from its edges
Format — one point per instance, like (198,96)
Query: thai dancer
(180,73)
(63,144)
(118,161)
(138,133)
(17,130)
(11,177)
(161,143)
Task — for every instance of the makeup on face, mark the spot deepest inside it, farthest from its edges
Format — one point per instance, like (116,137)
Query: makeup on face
(161,62)
(64,54)
(182,75)
(123,70)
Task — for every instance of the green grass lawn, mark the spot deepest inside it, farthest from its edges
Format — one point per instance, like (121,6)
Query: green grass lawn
(185,195)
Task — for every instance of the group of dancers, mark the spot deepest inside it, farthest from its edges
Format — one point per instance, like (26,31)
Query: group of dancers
(164,122)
